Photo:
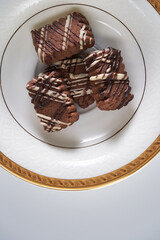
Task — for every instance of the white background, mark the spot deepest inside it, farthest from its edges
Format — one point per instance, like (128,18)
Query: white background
(124,211)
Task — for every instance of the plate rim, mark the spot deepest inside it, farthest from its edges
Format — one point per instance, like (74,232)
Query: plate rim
(85,183)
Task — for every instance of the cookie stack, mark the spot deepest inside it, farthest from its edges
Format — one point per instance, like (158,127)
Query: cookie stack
(72,77)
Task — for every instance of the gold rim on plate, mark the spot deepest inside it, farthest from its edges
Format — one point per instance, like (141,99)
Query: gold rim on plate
(86,183)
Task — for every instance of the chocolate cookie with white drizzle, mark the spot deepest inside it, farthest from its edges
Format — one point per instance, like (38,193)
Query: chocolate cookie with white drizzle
(77,80)
(109,80)
(52,101)
(63,38)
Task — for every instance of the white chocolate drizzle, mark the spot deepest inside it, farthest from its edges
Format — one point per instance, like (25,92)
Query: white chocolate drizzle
(78,84)
(98,53)
(80,92)
(49,90)
(107,70)
(66,31)
(51,124)
(47,118)
(82,36)
(102,59)
(41,45)
(116,76)
(65,64)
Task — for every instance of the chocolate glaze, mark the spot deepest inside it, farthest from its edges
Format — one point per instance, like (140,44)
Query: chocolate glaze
(109,80)
(77,80)
(62,39)
(52,101)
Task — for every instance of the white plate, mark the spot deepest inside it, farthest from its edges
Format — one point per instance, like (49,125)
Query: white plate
(94,126)
(100,142)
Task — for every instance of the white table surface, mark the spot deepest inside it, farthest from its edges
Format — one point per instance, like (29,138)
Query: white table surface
(124,211)
(127,210)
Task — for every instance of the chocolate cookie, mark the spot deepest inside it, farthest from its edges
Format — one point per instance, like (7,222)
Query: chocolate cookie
(52,101)
(63,38)
(77,80)
(109,80)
